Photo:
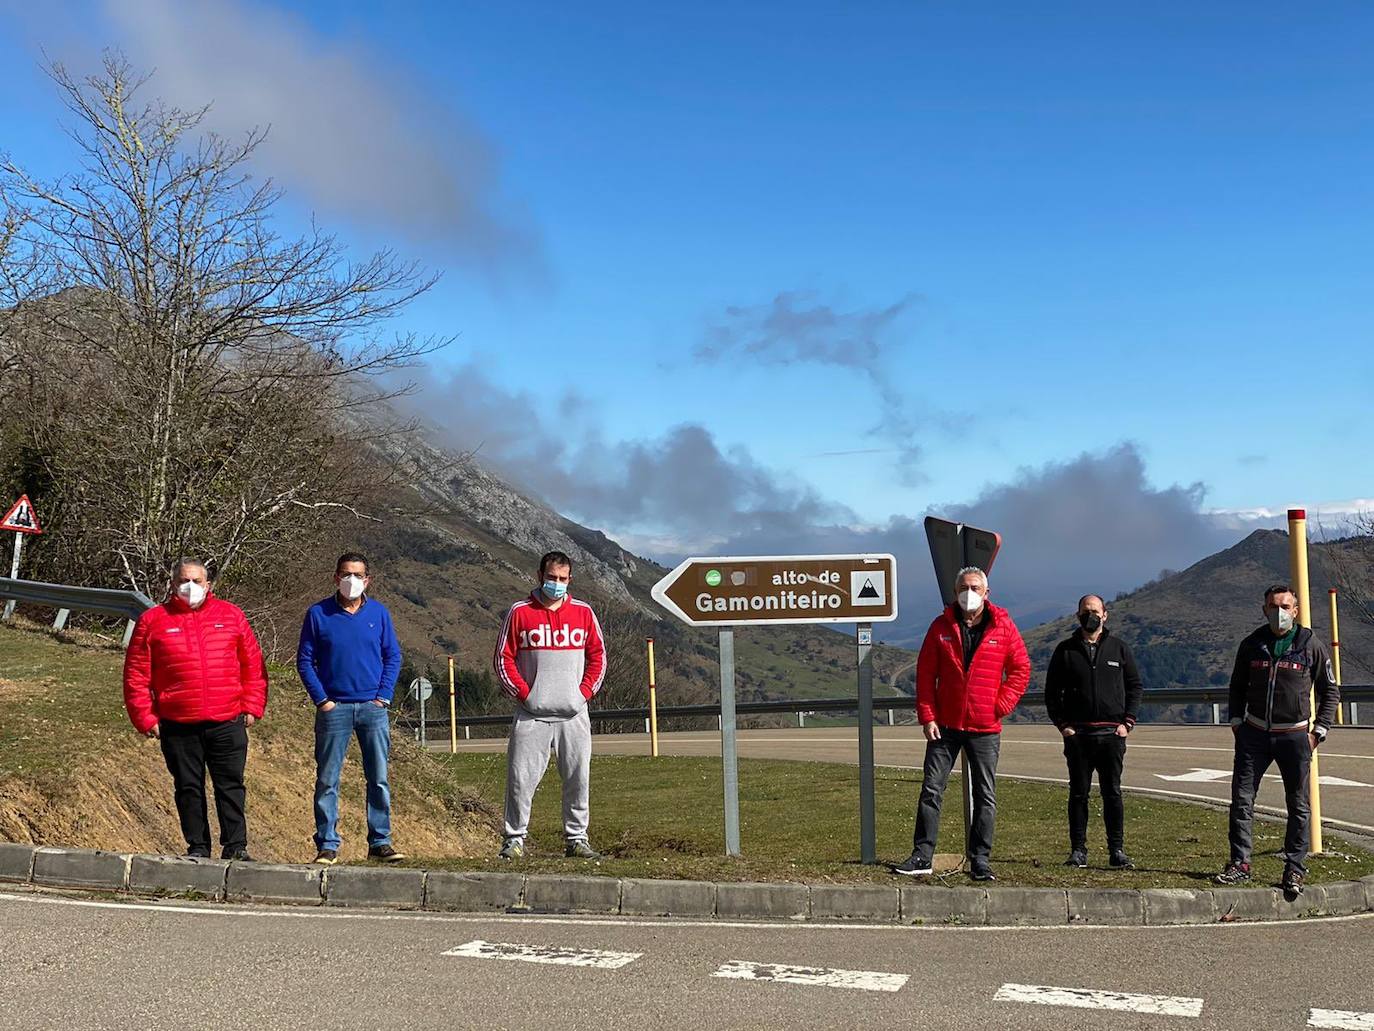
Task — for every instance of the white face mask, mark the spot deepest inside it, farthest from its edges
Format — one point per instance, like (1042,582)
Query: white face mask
(191,593)
(1280,621)
(970,601)
(351,587)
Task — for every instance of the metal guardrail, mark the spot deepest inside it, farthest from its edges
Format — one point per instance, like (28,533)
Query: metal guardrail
(1217,696)
(65,598)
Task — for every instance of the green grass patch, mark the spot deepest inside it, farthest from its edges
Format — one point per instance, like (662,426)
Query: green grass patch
(62,699)
(799,822)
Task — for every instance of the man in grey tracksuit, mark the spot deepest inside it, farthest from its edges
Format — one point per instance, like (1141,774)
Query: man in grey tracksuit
(550,658)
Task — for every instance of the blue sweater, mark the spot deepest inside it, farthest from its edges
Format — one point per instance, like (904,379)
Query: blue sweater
(346,657)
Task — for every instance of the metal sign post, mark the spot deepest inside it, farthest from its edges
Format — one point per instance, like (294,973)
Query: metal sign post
(421,689)
(14,572)
(868,848)
(729,759)
(786,589)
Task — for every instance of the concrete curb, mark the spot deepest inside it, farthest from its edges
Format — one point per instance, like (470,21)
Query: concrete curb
(479,892)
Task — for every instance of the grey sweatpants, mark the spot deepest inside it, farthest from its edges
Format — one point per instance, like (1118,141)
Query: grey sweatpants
(527,757)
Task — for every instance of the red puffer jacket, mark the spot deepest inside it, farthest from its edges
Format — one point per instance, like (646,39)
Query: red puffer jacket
(979,700)
(188,665)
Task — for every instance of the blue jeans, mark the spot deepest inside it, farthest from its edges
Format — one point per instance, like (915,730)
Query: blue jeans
(333,729)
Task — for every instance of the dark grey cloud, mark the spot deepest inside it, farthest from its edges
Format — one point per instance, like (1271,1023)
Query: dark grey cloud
(1092,524)
(796,328)
(349,135)
(680,482)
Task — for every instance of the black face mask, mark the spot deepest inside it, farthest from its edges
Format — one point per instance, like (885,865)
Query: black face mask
(1089,621)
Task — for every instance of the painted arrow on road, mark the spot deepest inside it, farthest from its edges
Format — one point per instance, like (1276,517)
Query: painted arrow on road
(1200,775)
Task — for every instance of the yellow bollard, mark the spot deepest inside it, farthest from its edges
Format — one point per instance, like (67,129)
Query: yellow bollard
(452,711)
(653,703)
(1336,652)
(1297,547)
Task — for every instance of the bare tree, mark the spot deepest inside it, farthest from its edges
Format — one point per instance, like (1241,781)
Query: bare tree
(190,381)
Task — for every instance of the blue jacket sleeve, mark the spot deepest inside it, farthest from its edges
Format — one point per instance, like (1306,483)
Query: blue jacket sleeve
(305,660)
(391,660)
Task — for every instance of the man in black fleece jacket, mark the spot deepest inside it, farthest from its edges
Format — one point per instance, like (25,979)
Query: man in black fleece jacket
(1092,693)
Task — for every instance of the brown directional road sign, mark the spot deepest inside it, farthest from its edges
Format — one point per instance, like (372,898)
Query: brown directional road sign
(781,589)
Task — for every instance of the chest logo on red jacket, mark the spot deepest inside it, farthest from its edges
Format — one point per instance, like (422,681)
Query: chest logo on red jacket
(546,637)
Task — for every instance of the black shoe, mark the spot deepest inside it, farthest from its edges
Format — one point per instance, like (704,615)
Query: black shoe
(982,872)
(327,856)
(238,855)
(1234,873)
(1292,883)
(197,853)
(1120,861)
(915,866)
(385,854)
(1079,858)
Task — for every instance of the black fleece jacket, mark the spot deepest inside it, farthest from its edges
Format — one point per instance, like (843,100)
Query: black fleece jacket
(1081,691)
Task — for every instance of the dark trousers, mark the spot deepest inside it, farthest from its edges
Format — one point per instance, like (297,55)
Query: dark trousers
(1255,750)
(222,748)
(1104,755)
(982,750)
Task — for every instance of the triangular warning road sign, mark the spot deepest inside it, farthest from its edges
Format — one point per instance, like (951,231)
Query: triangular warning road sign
(21,518)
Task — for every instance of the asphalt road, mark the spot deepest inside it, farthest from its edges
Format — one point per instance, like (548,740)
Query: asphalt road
(1156,755)
(93,964)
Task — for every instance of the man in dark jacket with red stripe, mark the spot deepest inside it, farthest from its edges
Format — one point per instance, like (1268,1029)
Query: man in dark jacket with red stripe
(194,679)
(1092,693)
(970,673)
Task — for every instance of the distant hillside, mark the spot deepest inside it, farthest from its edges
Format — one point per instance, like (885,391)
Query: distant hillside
(1184,628)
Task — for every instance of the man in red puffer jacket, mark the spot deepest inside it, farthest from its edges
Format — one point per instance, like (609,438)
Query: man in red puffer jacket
(194,679)
(971,672)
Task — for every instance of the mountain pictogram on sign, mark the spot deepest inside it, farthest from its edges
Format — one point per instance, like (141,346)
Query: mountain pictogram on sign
(21,517)
(867,588)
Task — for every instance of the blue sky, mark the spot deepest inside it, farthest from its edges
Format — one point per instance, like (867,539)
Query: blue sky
(1099,225)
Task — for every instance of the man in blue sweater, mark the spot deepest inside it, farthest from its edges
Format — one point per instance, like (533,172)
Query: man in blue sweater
(349,659)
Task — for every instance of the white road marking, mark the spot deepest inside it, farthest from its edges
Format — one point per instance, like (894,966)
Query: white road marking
(866,980)
(1087,998)
(1196,776)
(1200,775)
(552,954)
(1214,800)
(1346,1020)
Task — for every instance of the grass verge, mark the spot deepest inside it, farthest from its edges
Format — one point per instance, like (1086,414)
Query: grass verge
(799,822)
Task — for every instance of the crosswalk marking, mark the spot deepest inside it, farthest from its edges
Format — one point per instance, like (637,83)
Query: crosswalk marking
(554,954)
(1087,998)
(1345,1020)
(867,980)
